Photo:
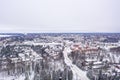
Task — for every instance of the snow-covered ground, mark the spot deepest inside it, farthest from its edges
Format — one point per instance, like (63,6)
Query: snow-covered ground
(114,58)
(3,76)
(78,74)
(5,35)
(41,43)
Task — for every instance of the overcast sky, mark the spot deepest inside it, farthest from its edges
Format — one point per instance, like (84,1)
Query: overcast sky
(59,15)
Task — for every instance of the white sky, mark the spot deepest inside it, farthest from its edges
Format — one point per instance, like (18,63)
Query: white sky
(59,15)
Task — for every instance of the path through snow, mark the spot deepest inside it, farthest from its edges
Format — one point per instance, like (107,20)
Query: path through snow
(78,74)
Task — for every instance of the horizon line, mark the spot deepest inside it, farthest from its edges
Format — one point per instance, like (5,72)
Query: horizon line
(52,32)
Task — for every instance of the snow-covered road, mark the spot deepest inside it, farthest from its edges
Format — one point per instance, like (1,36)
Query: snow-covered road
(78,74)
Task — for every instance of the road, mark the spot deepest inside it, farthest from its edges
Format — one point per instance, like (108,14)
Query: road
(78,74)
